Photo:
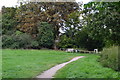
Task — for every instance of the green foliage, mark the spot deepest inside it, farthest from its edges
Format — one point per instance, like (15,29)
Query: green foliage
(83,40)
(18,33)
(102,20)
(109,58)
(45,36)
(72,25)
(66,42)
(34,44)
(29,14)
(23,40)
(6,41)
(8,20)
(18,40)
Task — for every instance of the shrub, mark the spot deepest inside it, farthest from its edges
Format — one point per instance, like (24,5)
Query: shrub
(34,44)
(109,57)
(18,40)
(7,41)
(23,40)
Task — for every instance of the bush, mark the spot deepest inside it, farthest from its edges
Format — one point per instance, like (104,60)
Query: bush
(18,40)
(109,58)
(7,41)
(23,40)
(34,44)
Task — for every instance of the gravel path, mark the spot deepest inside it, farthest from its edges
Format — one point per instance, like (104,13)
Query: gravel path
(51,72)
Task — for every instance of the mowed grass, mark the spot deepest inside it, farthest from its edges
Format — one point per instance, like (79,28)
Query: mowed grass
(30,63)
(87,67)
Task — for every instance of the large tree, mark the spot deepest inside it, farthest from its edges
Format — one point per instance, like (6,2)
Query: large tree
(8,19)
(72,26)
(52,12)
(102,20)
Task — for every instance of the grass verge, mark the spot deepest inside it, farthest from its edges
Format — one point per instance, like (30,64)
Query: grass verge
(86,67)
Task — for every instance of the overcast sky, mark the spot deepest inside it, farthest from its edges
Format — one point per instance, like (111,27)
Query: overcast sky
(12,3)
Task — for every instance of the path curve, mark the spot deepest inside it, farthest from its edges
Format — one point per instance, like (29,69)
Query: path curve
(51,72)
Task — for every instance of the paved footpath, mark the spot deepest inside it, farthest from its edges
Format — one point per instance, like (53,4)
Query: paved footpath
(51,72)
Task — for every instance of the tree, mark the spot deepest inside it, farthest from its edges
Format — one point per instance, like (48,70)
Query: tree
(66,42)
(45,36)
(72,24)
(102,20)
(8,19)
(54,13)
(83,40)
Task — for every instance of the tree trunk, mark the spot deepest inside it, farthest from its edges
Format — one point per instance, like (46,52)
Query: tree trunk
(55,43)
(55,46)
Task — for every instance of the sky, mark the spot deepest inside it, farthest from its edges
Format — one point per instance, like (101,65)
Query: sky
(13,3)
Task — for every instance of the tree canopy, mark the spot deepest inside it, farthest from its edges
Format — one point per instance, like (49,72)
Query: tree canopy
(89,26)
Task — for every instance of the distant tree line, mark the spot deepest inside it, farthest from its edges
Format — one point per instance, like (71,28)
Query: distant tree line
(36,25)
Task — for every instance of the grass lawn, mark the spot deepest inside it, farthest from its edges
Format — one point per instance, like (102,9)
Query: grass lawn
(30,63)
(87,67)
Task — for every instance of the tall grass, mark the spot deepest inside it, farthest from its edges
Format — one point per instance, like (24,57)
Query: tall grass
(109,57)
